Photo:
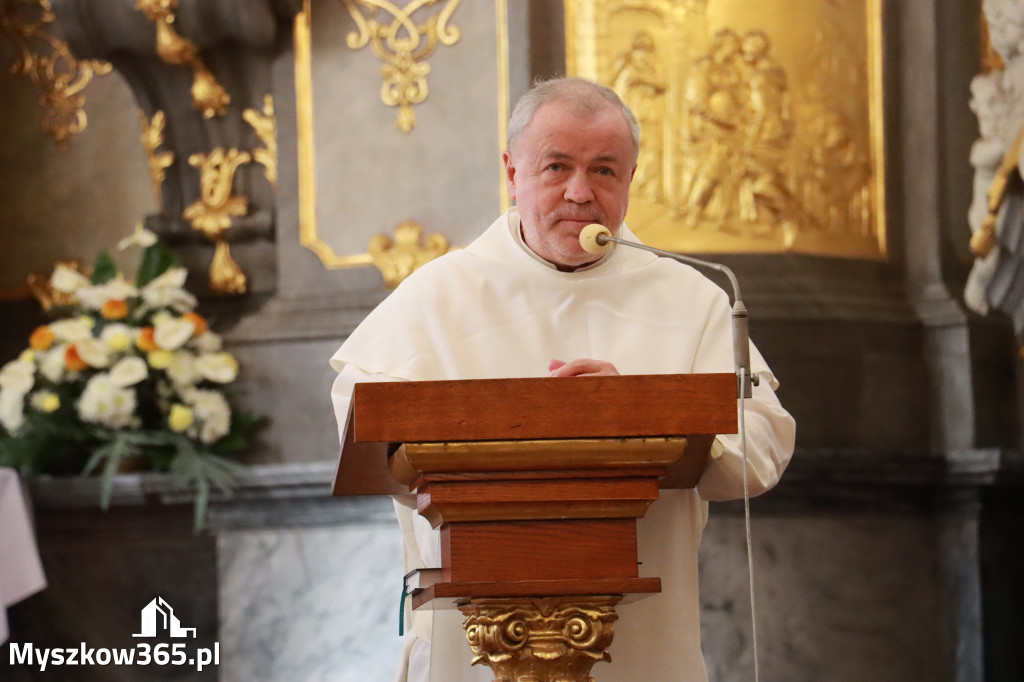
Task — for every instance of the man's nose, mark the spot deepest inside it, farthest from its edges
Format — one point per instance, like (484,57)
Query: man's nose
(578,189)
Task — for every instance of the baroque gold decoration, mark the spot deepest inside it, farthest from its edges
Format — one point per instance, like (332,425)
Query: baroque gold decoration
(211,214)
(265,126)
(208,95)
(402,44)
(397,259)
(541,640)
(152,140)
(60,76)
(761,128)
(42,289)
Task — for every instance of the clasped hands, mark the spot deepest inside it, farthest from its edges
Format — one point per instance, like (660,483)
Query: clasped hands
(581,367)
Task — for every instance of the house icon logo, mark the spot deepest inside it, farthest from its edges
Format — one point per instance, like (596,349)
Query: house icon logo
(158,615)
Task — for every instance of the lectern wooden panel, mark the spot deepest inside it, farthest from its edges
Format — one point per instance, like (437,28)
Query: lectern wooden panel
(536,486)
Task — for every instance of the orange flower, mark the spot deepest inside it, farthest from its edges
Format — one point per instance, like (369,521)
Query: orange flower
(73,361)
(198,321)
(41,339)
(146,342)
(114,310)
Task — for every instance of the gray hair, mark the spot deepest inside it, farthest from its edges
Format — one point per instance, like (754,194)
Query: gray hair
(583,95)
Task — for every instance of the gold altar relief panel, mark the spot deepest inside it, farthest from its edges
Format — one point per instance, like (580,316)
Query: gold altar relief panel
(761,122)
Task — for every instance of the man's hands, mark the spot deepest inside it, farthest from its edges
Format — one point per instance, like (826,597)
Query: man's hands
(581,367)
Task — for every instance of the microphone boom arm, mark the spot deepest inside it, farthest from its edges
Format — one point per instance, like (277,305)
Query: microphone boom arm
(740,330)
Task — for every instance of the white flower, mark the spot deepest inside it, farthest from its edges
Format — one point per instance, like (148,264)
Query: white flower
(103,402)
(128,371)
(71,330)
(17,376)
(208,343)
(172,333)
(118,337)
(93,352)
(182,369)
(116,289)
(140,237)
(51,363)
(166,291)
(12,410)
(67,280)
(212,413)
(221,368)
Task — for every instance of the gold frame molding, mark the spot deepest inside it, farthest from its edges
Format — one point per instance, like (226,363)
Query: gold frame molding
(748,149)
(309,237)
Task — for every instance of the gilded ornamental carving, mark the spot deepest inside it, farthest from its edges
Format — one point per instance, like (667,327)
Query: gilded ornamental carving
(556,639)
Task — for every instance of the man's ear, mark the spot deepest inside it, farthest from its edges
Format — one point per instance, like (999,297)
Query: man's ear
(510,174)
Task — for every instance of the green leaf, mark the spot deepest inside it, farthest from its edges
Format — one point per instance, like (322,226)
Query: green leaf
(104,269)
(156,260)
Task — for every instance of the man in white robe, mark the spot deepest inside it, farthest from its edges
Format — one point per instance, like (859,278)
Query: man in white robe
(525,300)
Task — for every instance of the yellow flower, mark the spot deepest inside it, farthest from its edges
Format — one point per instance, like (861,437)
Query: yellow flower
(45,401)
(180,418)
(87,321)
(160,359)
(42,338)
(118,341)
(27,355)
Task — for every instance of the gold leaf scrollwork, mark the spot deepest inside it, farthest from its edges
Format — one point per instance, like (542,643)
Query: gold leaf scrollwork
(42,289)
(208,95)
(548,640)
(265,126)
(60,76)
(212,213)
(152,140)
(402,44)
(397,259)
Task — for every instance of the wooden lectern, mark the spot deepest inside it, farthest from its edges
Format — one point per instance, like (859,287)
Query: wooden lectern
(536,486)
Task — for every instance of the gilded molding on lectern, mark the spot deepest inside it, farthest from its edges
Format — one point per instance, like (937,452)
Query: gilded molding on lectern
(60,76)
(208,95)
(265,125)
(397,259)
(556,639)
(761,126)
(211,214)
(402,44)
(158,161)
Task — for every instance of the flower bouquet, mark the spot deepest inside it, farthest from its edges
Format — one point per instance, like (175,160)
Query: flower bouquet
(129,375)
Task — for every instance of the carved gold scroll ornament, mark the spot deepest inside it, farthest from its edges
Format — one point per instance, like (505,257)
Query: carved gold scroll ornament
(211,214)
(402,44)
(60,76)
(396,259)
(556,639)
(208,95)
(265,126)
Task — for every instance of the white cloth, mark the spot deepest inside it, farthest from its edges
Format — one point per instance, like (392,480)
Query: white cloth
(494,310)
(21,573)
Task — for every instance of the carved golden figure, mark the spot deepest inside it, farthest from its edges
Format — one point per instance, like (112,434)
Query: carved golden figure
(763,139)
(402,44)
(60,76)
(397,259)
(557,639)
(637,80)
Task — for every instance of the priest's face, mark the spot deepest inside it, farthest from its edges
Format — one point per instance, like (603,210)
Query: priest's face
(566,170)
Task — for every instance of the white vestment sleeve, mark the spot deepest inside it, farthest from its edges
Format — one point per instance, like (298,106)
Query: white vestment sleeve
(771,431)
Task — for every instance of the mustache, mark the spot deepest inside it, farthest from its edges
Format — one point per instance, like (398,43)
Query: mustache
(582,216)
